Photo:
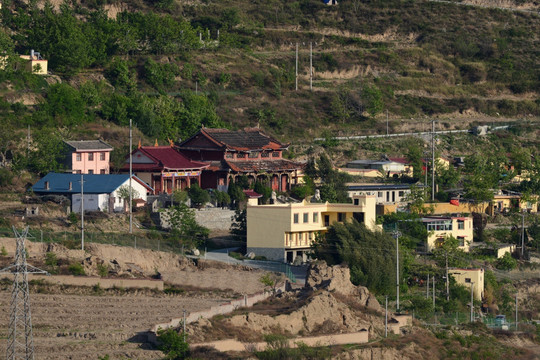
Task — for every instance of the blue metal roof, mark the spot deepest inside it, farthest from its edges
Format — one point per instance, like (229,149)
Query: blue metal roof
(93,183)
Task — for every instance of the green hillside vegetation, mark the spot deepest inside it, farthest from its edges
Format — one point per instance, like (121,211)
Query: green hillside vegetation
(162,64)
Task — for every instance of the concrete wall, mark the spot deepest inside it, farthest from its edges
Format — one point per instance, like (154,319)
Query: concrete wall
(105,283)
(215,219)
(360,337)
(225,308)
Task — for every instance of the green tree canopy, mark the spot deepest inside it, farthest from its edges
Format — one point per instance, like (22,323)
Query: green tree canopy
(370,255)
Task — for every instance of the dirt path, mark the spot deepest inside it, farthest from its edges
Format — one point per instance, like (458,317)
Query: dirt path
(85,327)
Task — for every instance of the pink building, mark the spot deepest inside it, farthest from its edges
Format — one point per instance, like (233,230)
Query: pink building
(88,156)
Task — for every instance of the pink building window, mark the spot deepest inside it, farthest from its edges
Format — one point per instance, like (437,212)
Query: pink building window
(102,171)
(102,156)
(90,156)
(90,171)
(78,157)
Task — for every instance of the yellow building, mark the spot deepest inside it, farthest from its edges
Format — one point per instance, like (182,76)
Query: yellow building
(439,228)
(284,232)
(466,277)
(35,64)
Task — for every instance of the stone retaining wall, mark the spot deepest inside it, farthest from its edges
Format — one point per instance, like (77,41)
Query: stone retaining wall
(105,283)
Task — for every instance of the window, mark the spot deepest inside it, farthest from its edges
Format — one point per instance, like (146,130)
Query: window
(102,156)
(341,217)
(102,171)
(468,280)
(275,154)
(401,193)
(78,157)
(90,171)
(315,217)
(229,155)
(240,156)
(461,224)
(441,225)
(90,156)
(265,155)
(461,240)
(379,194)
(253,155)
(326,220)
(295,217)
(77,171)
(306,218)
(356,201)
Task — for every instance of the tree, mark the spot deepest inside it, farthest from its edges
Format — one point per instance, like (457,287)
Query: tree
(239,226)
(173,344)
(199,197)
(414,156)
(449,248)
(416,202)
(370,255)
(332,188)
(124,193)
(264,190)
(184,226)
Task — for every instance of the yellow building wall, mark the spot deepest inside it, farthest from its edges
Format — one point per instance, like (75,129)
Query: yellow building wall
(467,233)
(274,227)
(467,276)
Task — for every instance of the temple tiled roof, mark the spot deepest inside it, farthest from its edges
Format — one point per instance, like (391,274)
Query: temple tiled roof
(263,165)
(248,139)
(164,157)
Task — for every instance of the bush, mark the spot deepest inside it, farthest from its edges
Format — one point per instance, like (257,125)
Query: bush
(173,344)
(507,262)
(3,251)
(103,270)
(76,269)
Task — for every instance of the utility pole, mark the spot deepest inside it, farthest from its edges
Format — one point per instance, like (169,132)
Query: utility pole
(20,341)
(311,66)
(447,280)
(397,235)
(386,122)
(130,176)
(296,71)
(386,317)
(82,211)
(432,160)
(184,312)
(433,292)
(427,287)
(472,302)
(522,233)
(516,312)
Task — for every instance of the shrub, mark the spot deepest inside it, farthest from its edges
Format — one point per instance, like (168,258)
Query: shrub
(507,262)
(3,251)
(173,344)
(76,269)
(103,270)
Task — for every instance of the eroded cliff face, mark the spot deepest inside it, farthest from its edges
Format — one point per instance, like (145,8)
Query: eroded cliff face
(338,279)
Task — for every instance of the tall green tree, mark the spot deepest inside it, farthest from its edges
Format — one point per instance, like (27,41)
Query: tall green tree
(370,255)
(185,227)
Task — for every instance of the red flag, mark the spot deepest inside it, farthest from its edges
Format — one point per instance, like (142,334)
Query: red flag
(454,202)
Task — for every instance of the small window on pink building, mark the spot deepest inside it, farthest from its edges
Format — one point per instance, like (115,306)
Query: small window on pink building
(90,171)
(102,171)
(102,156)
(90,156)
(78,157)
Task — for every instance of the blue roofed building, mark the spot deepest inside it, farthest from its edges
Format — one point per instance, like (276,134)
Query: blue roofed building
(101,192)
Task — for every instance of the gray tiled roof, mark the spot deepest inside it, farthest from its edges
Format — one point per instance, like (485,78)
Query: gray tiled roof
(89,145)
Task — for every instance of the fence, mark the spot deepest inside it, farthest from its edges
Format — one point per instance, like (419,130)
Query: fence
(72,239)
(460,318)
(274,267)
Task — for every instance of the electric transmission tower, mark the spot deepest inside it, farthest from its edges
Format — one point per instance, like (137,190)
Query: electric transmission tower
(20,343)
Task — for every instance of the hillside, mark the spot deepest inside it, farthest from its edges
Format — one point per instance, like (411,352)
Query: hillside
(144,60)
